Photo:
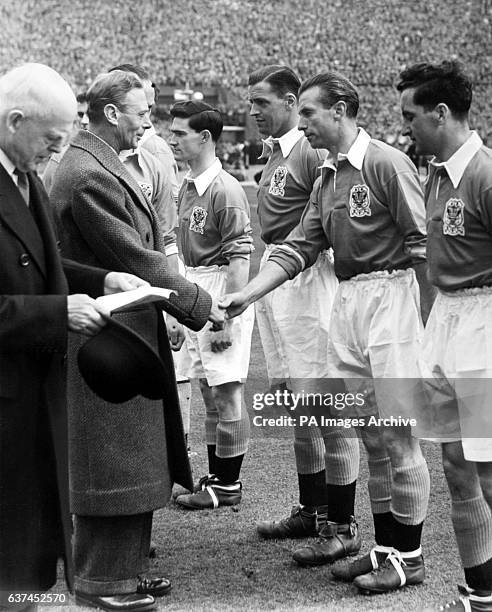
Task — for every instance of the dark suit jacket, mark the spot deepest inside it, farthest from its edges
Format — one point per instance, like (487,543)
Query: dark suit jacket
(34,510)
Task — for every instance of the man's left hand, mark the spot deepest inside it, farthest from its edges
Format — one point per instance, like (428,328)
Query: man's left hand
(115,282)
(221,340)
(175,333)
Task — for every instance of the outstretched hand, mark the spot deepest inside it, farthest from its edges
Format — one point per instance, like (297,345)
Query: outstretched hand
(216,316)
(234,304)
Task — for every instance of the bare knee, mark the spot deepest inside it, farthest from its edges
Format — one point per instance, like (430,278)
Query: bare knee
(401,446)
(207,395)
(484,470)
(228,400)
(373,442)
(461,475)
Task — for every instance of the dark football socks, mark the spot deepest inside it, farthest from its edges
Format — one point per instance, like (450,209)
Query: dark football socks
(228,469)
(312,489)
(341,500)
(383,528)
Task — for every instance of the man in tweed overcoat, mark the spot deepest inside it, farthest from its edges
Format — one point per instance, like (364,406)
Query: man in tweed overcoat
(124,458)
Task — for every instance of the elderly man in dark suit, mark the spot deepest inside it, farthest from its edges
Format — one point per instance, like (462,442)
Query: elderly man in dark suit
(123,459)
(37,110)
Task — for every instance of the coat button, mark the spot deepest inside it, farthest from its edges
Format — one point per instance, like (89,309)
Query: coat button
(24,260)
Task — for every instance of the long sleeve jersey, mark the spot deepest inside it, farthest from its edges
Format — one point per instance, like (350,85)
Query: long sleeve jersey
(214,223)
(458,196)
(286,183)
(368,206)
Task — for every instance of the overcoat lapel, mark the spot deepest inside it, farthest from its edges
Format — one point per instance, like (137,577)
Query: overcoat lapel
(110,161)
(40,204)
(18,218)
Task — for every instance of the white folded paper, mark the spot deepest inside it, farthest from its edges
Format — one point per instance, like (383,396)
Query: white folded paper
(135,297)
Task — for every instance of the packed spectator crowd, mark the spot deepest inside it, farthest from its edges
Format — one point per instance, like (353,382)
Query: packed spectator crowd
(216,42)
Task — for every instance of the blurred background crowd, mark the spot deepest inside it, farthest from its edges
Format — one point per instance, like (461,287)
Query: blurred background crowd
(211,45)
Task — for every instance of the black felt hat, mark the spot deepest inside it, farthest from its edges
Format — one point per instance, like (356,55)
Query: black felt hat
(117,364)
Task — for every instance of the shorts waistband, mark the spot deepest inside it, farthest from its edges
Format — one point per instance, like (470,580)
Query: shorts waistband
(381,274)
(324,254)
(484,290)
(204,270)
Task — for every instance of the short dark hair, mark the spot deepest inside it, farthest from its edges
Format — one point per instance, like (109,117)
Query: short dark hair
(439,83)
(333,88)
(109,88)
(201,116)
(81,97)
(282,79)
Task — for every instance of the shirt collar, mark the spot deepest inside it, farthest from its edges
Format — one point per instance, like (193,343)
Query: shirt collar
(286,142)
(456,165)
(8,165)
(356,153)
(204,180)
(131,153)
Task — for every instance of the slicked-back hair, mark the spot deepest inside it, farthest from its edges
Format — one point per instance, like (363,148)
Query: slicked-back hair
(333,88)
(109,88)
(139,71)
(282,79)
(201,116)
(434,84)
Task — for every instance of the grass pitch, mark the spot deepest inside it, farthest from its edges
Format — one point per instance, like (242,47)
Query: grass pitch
(216,561)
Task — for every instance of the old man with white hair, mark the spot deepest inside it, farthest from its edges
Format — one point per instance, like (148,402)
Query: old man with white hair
(42,297)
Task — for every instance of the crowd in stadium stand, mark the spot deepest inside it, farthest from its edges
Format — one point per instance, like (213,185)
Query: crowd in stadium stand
(217,42)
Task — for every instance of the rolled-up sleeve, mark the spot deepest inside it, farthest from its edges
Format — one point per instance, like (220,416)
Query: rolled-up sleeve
(231,209)
(235,230)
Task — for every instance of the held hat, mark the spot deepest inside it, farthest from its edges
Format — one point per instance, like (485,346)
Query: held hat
(117,364)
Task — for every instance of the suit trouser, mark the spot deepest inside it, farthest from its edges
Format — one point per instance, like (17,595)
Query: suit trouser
(110,551)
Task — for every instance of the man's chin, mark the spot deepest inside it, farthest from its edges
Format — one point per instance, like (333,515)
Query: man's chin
(33,166)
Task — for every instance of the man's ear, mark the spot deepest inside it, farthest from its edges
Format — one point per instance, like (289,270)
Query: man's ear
(14,119)
(290,100)
(206,135)
(340,109)
(442,112)
(111,113)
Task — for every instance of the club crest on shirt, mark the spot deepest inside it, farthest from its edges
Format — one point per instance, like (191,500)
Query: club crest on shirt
(197,219)
(277,184)
(453,220)
(147,191)
(360,202)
